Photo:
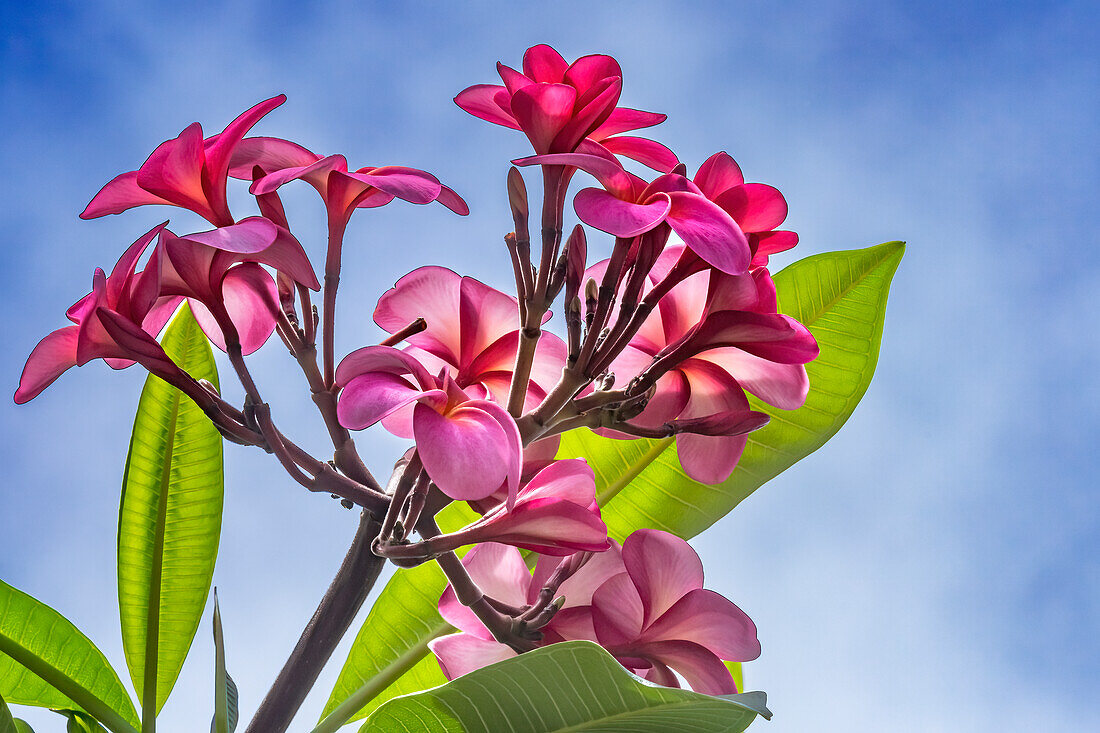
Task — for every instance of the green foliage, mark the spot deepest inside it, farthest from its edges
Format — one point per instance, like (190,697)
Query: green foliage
(79,722)
(169,520)
(840,296)
(226,712)
(572,686)
(45,661)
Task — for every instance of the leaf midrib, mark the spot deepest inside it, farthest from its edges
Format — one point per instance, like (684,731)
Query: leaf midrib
(853,283)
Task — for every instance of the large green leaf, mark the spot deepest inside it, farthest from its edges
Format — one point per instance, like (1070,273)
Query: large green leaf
(841,298)
(45,661)
(572,686)
(169,521)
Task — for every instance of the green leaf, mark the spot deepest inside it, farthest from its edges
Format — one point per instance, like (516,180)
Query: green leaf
(572,686)
(7,723)
(80,722)
(390,654)
(841,298)
(45,661)
(169,520)
(737,672)
(226,712)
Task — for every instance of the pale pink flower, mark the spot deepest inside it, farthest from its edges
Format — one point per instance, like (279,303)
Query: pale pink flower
(469,447)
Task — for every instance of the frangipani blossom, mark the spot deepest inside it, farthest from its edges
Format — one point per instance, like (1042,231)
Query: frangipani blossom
(472,332)
(469,447)
(117,322)
(555,513)
(342,190)
(627,206)
(233,298)
(186,171)
(714,336)
(563,107)
(644,602)
(756,207)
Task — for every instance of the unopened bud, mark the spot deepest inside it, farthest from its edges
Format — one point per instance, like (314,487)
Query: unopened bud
(576,254)
(591,293)
(517,200)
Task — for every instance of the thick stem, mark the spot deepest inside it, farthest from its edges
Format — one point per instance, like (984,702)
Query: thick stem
(353,582)
(521,374)
(332,283)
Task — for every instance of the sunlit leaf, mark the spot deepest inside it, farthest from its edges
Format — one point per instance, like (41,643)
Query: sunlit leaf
(169,520)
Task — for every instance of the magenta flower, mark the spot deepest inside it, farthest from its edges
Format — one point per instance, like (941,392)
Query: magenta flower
(469,447)
(645,603)
(186,171)
(756,207)
(627,206)
(555,513)
(117,322)
(233,297)
(563,107)
(710,338)
(342,191)
(472,332)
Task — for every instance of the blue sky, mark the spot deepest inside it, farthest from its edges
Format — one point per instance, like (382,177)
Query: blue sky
(936,567)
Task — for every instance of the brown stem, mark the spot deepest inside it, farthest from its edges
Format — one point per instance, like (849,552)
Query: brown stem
(350,587)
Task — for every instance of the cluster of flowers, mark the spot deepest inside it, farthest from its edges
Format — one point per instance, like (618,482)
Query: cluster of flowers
(663,339)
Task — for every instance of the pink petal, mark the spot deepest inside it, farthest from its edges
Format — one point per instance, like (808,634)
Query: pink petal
(269,153)
(542,63)
(709,232)
(52,357)
(588,115)
(251,299)
(219,149)
(123,271)
(453,201)
(485,315)
(709,459)
(667,402)
(615,216)
(568,480)
(432,293)
(645,151)
(718,173)
(409,184)
(617,611)
(368,398)
(608,171)
(731,292)
(587,71)
(514,455)
(697,665)
(174,172)
(624,119)
(572,623)
(663,567)
(712,390)
(547,525)
(757,207)
(783,385)
(710,620)
(542,110)
(484,101)
(466,452)
(499,571)
(121,193)
(579,589)
(513,80)
(459,654)
(659,674)
(381,359)
(251,235)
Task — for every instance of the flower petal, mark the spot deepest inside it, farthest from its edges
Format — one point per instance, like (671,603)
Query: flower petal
(431,293)
(547,525)
(381,359)
(717,174)
(484,101)
(663,567)
(647,152)
(542,110)
(251,235)
(696,664)
(756,207)
(174,172)
(499,571)
(408,184)
(580,587)
(542,63)
(119,194)
(618,612)
(251,298)
(710,620)
(613,215)
(624,119)
(709,459)
(709,232)
(220,148)
(466,452)
(459,654)
(269,153)
(608,171)
(783,385)
(52,357)
(369,397)
(589,114)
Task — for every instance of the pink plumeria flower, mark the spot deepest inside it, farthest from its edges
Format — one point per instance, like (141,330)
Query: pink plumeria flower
(342,190)
(756,207)
(186,171)
(655,617)
(717,336)
(472,332)
(233,297)
(117,322)
(555,513)
(627,206)
(563,107)
(469,447)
